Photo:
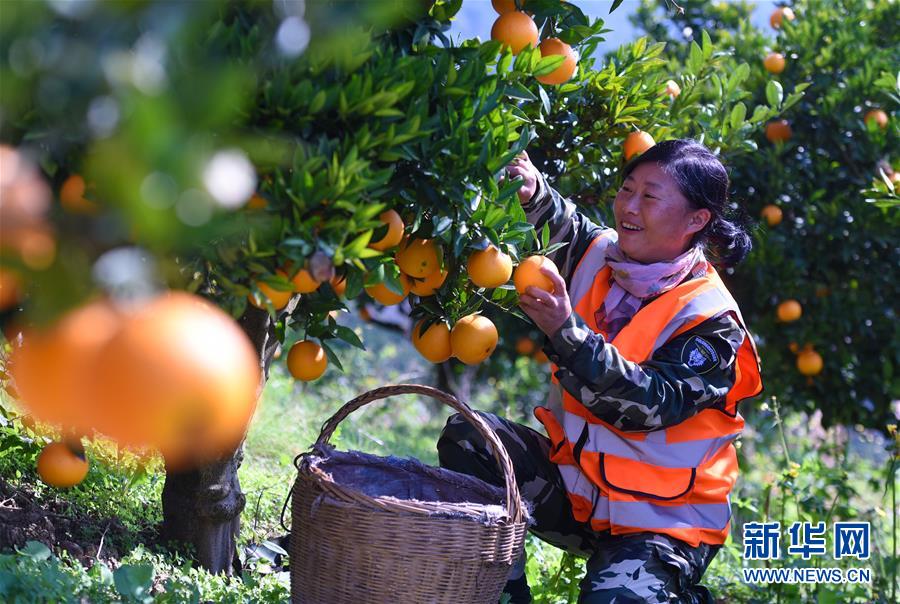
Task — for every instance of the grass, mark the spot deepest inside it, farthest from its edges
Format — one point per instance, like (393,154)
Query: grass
(791,470)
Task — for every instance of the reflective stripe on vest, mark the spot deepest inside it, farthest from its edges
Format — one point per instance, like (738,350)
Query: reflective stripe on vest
(674,480)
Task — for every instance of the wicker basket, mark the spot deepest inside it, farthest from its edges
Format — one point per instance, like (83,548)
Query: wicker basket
(350,545)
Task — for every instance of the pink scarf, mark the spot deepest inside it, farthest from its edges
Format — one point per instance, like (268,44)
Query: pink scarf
(633,282)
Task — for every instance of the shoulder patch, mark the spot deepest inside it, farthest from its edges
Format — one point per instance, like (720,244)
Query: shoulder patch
(699,355)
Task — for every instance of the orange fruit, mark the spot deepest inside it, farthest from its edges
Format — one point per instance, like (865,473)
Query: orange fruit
(778,131)
(307,361)
(489,267)
(504,6)
(180,376)
(789,310)
(636,143)
(381,293)
(52,368)
(278,298)
(563,73)
(428,285)
(540,357)
(60,467)
(672,88)
(339,285)
(515,30)
(10,288)
(774,62)
(303,282)
(71,196)
(525,346)
(772,214)
(529,273)
(794,347)
(257,202)
(394,233)
(418,257)
(782,12)
(434,344)
(878,116)
(473,339)
(809,362)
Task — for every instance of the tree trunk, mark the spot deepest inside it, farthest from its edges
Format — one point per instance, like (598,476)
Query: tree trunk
(202,507)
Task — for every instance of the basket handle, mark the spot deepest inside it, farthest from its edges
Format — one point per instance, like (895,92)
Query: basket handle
(513,499)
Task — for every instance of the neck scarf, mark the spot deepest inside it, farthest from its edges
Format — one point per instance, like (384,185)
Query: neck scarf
(634,282)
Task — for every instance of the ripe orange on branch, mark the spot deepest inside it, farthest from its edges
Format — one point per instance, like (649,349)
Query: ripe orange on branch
(878,116)
(672,88)
(61,467)
(179,375)
(563,73)
(489,267)
(779,14)
(279,298)
(515,30)
(772,214)
(525,346)
(434,344)
(774,62)
(789,310)
(71,196)
(303,282)
(529,273)
(778,131)
(381,293)
(505,6)
(418,257)
(473,339)
(809,362)
(307,361)
(394,233)
(428,285)
(636,143)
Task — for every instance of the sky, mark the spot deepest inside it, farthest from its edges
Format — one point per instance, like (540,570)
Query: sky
(476,17)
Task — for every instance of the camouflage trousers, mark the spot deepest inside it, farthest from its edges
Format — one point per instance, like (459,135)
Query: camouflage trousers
(643,567)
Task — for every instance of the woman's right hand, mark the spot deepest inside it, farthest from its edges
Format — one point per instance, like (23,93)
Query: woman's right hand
(521,167)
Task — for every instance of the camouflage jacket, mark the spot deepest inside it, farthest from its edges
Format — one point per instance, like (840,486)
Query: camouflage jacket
(663,391)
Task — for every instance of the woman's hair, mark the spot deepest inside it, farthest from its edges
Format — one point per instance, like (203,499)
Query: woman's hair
(703,180)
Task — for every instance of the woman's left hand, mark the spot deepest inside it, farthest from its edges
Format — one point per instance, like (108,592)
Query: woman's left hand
(548,310)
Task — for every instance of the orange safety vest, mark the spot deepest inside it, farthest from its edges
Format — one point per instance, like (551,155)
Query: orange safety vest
(676,480)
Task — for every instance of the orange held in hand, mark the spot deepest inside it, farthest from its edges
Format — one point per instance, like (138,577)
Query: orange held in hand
(61,467)
(515,30)
(529,273)
(307,361)
(789,310)
(181,376)
(418,257)
(473,339)
(434,344)
(394,233)
(636,143)
(563,73)
(489,267)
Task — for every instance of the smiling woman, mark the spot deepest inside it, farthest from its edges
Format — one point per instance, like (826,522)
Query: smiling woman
(650,358)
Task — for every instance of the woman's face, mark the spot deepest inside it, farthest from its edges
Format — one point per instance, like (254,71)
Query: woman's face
(654,220)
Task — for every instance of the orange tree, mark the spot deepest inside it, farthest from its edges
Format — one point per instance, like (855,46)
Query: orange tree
(831,186)
(248,154)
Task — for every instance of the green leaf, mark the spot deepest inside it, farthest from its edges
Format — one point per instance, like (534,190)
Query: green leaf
(738,113)
(349,336)
(707,45)
(518,91)
(36,550)
(545,236)
(332,357)
(548,64)
(134,581)
(774,94)
(695,62)
(318,102)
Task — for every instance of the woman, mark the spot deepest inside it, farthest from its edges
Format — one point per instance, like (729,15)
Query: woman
(649,357)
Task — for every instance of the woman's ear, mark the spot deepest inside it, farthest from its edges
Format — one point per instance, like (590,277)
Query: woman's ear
(698,220)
